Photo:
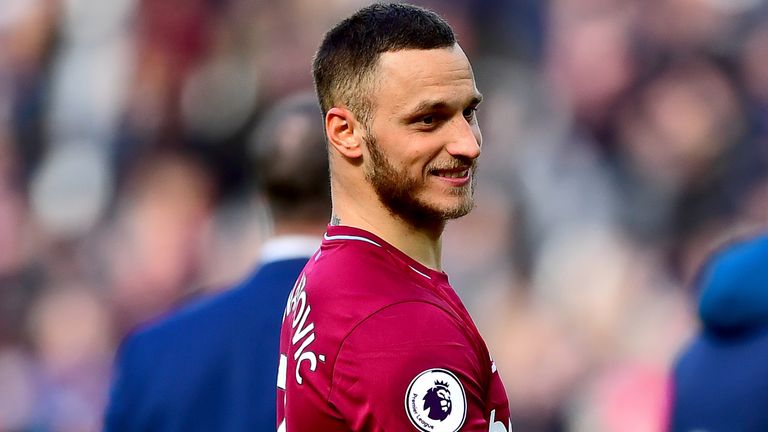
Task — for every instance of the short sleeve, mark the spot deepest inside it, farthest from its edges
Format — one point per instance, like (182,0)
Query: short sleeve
(411,366)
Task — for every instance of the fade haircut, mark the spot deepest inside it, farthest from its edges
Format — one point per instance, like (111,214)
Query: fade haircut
(345,64)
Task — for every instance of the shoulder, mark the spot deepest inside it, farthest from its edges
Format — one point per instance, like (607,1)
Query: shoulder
(258,297)
(350,257)
(195,314)
(361,268)
(407,338)
(416,325)
(350,291)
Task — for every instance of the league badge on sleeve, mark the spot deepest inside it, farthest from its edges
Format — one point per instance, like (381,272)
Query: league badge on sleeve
(435,401)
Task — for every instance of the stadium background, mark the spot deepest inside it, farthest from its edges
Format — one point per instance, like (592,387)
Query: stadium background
(623,140)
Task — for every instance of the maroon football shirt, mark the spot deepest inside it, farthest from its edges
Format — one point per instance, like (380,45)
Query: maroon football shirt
(374,341)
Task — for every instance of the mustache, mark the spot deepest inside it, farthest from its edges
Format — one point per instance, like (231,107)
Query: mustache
(457,164)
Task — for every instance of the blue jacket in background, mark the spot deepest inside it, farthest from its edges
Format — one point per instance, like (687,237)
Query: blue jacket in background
(720,381)
(210,367)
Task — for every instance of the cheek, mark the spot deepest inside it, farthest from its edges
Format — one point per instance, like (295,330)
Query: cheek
(412,163)
(410,153)
(422,154)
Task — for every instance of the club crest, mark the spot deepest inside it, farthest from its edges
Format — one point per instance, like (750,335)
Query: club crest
(435,401)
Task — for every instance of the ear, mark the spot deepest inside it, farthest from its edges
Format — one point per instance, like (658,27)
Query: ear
(340,128)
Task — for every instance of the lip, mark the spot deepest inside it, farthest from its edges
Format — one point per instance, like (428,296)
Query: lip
(455,181)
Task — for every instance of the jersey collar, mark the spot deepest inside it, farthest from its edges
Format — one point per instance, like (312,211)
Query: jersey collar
(348,233)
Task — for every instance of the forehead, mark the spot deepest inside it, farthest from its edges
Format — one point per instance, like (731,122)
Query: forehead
(407,78)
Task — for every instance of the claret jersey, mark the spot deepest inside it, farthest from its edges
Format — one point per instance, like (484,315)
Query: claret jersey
(374,341)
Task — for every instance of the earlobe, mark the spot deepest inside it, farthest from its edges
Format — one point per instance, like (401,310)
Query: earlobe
(340,126)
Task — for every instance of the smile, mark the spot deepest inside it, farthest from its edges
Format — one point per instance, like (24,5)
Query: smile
(453,174)
(456,177)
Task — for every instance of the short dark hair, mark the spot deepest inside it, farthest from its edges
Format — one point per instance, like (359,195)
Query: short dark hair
(290,160)
(344,65)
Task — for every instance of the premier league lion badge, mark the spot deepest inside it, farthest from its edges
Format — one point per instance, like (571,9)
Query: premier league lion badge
(435,401)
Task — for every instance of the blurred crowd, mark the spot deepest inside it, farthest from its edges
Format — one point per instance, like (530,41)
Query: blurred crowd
(623,141)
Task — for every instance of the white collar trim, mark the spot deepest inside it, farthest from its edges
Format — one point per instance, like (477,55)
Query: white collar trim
(289,247)
(350,237)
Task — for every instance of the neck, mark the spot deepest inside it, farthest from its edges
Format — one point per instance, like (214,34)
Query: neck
(423,244)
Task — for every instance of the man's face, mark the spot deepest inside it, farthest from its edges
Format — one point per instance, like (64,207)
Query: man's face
(423,138)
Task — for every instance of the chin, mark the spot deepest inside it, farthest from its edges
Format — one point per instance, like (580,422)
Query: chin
(457,212)
(457,202)
(455,209)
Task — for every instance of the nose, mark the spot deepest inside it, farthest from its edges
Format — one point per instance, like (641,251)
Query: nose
(465,140)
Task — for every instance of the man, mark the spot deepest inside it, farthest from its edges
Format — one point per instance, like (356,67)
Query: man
(721,380)
(212,365)
(374,338)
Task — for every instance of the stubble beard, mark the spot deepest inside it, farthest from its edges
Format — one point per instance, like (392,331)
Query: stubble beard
(399,192)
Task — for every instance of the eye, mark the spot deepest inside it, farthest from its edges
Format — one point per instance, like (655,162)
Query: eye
(469,113)
(428,120)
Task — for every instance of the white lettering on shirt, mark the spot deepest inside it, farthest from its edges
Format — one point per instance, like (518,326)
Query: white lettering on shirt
(303,331)
(496,426)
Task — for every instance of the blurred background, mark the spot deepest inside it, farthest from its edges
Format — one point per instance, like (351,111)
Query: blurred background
(623,141)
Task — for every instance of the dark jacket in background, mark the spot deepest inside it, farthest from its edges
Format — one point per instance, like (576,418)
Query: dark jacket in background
(210,367)
(721,380)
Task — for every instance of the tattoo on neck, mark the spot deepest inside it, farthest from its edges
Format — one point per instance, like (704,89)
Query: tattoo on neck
(335,220)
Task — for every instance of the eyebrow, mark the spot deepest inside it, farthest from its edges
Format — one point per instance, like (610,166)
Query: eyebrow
(431,105)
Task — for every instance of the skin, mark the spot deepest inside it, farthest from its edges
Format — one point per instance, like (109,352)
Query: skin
(423,130)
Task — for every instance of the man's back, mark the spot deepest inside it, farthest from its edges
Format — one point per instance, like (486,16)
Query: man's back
(374,341)
(211,366)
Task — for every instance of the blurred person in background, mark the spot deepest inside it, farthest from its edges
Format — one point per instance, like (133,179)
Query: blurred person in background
(721,379)
(374,337)
(212,364)
(156,246)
